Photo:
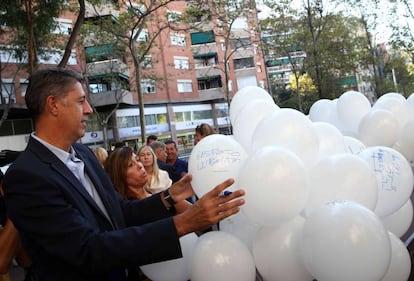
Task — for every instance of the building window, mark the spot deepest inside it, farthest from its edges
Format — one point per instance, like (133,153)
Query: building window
(143,36)
(184,86)
(181,62)
(206,83)
(177,39)
(7,92)
(243,63)
(148,86)
(63,26)
(202,37)
(128,121)
(147,62)
(174,16)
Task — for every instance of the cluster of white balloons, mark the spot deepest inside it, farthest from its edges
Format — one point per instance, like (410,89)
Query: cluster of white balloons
(327,195)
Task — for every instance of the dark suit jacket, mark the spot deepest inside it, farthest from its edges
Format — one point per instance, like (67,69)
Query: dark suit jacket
(169,169)
(65,233)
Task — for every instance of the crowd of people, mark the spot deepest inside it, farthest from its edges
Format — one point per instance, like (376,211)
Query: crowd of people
(97,215)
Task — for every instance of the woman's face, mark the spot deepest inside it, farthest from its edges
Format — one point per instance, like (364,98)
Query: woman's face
(146,157)
(197,138)
(136,174)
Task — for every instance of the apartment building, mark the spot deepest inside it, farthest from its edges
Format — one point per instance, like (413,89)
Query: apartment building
(187,77)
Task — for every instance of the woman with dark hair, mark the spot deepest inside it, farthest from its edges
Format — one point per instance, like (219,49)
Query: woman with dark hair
(203,130)
(127,174)
(130,177)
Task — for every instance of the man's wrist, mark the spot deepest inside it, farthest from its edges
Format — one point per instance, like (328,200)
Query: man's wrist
(167,197)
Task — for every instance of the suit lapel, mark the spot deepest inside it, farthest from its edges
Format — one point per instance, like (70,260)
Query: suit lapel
(45,155)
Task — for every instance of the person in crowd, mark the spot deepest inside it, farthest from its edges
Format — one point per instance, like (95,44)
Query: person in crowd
(101,154)
(72,222)
(180,166)
(151,138)
(130,177)
(10,245)
(203,130)
(161,153)
(158,180)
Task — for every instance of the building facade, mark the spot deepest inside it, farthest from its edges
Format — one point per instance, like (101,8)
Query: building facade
(187,77)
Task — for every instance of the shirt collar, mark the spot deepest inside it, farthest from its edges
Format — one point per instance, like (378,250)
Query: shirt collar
(60,153)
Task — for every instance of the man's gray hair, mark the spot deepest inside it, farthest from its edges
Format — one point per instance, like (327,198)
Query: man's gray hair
(157,145)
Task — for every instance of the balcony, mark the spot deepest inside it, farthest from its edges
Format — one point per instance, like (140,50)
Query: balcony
(111,98)
(93,11)
(211,94)
(108,67)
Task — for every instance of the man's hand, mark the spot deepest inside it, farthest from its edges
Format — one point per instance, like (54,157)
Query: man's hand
(182,189)
(209,209)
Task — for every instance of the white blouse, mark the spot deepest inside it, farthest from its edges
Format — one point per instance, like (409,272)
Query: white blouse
(163,183)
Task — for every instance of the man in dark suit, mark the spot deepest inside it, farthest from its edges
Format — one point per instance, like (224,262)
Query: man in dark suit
(72,222)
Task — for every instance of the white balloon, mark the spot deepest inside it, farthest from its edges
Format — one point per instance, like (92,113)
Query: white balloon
(244,96)
(351,107)
(354,145)
(241,227)
(394,105)
(221,256)
(276,185)
(331,141)
(277,254)
(400,266)
(394,178)
(344,241)
(379,127)
(290,129)
(405,142)
(399,221)
(397,96)
(341,177)
(324,110)
(248,118)
(177,269)
(214,159)
(410,106)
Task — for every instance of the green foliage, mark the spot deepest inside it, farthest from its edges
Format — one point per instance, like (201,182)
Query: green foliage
(42,16)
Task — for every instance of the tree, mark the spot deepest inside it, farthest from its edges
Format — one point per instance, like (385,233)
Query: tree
(29,25)
(28,36)
(236,29)
(332,44)
(134,34)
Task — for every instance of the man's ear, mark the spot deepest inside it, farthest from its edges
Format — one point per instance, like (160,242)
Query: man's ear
(52,105)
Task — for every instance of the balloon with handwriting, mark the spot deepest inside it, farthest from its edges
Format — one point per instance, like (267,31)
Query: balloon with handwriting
(341,177)
(394,178)
(354,145)
(176,269)
(213,160)
(276,184)
(343,240)
(221,256)
(399,221)
(400,266)
(276,251)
